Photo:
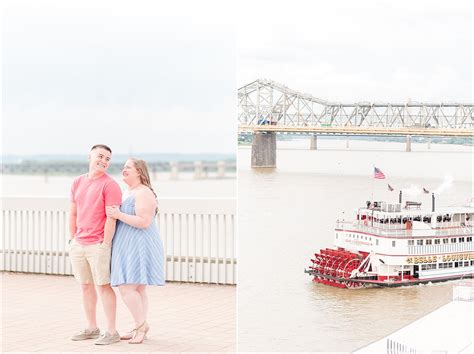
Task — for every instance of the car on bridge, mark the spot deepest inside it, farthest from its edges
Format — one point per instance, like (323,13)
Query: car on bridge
(263,121)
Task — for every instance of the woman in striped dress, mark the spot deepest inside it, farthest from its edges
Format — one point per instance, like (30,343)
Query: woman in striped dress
(137,249)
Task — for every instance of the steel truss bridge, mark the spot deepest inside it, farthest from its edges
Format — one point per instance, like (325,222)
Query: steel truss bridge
(265,105)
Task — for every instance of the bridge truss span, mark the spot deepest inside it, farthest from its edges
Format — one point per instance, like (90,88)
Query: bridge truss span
(267,103)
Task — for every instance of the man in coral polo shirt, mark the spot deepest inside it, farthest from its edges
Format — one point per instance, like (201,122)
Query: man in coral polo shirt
(91,240)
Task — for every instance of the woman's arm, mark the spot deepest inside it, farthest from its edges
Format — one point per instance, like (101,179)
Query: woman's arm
(145,205)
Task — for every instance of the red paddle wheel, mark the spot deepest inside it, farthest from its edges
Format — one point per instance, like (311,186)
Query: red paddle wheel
(334,267)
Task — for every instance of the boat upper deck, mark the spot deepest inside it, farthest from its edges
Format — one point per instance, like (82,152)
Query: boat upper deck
(418,229)
(385,219)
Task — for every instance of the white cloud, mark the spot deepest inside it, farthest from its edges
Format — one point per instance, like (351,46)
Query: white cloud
(360,51)
(149,76)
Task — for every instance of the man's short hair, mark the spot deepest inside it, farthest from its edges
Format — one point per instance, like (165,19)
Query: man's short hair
(101,146)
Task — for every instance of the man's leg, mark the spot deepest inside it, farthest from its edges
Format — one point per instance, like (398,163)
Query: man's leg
(100,265)
(89,299)
(83,275)
(109,303)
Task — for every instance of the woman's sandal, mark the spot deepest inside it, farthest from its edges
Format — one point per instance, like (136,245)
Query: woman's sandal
(143,329)
(129,335)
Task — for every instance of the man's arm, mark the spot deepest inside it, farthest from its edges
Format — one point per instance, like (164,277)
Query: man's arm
(109,230)
(72,220)
(145,205)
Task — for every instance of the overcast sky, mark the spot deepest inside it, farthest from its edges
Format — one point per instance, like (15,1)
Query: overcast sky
(361,50)
(161,76)
(141,76)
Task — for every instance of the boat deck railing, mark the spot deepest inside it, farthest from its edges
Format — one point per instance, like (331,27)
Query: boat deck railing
(397,230)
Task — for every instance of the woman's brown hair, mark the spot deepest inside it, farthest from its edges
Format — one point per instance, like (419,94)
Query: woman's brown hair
(142,169)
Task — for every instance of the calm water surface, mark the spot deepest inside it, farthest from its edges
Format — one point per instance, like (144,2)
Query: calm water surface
(184,187)
(287,214)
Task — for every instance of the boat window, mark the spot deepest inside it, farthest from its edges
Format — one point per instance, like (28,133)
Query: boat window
(445,265)
(428,266)
(429,242)
(437,241)
(466,263)
(445,240)
(337,235)
(411,242)
(393,243)
(469,239)
(461,239)
(453,240)
(377,242)
(419,242)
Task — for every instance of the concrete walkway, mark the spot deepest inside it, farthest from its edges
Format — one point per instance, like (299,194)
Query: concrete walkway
(40,312)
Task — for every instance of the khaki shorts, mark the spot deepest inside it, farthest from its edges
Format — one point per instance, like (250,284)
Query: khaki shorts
(91,263)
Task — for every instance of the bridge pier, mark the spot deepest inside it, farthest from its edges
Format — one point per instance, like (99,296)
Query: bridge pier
(408,146)
(220,169)
(198,170)
(313,143)
(174,170)
(263,149)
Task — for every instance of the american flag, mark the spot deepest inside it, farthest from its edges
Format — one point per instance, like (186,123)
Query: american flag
(378,174)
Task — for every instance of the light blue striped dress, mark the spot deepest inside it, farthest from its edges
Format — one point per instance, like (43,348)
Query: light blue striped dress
(137,254)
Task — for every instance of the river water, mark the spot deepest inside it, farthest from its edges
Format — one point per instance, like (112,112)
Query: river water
(165,187)
(288,213)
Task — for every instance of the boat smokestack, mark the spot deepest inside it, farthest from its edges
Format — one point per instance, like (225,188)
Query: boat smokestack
(432,202)
(400,198)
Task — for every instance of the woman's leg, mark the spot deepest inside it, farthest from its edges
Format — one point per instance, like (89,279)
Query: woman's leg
(142,291)
(133,301)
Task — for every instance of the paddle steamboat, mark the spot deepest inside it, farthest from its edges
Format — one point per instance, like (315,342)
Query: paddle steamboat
(396,245)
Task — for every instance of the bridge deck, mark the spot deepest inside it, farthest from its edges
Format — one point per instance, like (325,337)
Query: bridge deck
(358,130)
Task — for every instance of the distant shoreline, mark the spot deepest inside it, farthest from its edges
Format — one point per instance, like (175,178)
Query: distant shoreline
(120,158)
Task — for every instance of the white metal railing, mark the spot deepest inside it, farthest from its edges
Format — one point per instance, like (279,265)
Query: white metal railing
(198,235)
(396,230)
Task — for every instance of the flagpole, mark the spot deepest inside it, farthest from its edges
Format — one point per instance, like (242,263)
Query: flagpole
(372,195)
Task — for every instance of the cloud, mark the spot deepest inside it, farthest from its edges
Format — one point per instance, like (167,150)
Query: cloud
(146,77)
(363,51)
